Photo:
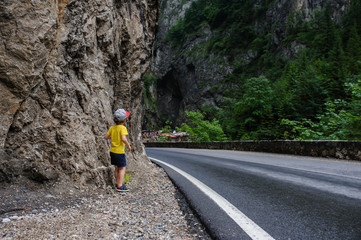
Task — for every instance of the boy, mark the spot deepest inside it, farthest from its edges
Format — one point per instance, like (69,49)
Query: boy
(118,136)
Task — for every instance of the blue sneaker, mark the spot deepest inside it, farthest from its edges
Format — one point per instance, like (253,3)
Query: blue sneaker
(123,188)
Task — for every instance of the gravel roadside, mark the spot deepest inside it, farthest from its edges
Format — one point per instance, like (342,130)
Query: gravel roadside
(152,209)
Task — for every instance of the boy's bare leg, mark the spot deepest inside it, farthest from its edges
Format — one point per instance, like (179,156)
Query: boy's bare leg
(116,175)
(121,175)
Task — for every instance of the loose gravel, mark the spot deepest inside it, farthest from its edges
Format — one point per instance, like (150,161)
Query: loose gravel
(152,209)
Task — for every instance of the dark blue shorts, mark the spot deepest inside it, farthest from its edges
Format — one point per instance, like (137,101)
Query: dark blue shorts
(118,159)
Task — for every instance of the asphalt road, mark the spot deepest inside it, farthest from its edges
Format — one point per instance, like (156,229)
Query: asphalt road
(287,197)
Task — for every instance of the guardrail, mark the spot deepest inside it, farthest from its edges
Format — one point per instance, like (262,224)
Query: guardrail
(347,150)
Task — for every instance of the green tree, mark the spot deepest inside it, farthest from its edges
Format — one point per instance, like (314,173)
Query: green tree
(176,33)
(335,70)
(228,118)
(254,109)
(324,37)
(352,17)
(202,130)
(353,51)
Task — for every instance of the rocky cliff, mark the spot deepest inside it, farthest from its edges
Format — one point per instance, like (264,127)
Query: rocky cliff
(65,66)
(188,76)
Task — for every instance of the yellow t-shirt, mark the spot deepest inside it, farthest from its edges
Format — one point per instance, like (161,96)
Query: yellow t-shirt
(116,132)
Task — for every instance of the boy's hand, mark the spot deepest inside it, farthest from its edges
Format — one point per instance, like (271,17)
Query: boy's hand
(124,139)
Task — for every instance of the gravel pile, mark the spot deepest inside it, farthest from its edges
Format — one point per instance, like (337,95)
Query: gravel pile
(152,209)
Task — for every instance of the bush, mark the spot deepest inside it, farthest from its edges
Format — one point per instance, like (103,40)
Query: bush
(340,121)
(201,130)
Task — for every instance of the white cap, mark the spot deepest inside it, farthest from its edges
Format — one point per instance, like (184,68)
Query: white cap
(121,114)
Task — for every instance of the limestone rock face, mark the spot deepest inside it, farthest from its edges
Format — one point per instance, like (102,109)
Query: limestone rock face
(180,74)
(305,8)
(65,66)
(188,76)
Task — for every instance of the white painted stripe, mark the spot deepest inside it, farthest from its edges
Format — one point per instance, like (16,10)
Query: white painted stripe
(250,227)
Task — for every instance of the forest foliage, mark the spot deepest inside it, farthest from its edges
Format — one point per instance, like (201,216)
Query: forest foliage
(315,95)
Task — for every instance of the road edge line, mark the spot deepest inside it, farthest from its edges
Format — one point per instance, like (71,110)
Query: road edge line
(246,224)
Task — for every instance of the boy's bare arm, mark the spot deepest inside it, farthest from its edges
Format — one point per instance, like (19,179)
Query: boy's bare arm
(107,137)
(125,140)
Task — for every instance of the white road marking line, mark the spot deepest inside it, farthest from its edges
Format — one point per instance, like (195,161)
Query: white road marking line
(250,227)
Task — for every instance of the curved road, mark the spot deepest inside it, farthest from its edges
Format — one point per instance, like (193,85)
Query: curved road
(267,196)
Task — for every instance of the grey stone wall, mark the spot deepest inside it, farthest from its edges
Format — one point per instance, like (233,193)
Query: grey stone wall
(347,150)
